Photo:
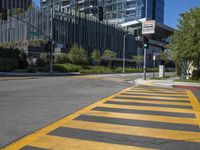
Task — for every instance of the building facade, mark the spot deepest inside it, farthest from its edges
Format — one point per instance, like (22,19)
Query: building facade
(14,4)
(150,9)
(86,6)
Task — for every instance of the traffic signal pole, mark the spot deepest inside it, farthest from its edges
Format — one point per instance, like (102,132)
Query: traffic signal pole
(145,58)
(52,45)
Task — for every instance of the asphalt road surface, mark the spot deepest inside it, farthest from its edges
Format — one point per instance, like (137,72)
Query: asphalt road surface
(27,104)
(136,118)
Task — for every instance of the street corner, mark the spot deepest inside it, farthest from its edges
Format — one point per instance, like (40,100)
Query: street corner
(143,82)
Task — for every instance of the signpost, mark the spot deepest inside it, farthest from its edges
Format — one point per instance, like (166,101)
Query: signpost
(154,63)
(148,27)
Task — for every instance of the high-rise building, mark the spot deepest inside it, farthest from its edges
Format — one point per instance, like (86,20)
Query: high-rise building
(150,9)
(86,6)
(14,4)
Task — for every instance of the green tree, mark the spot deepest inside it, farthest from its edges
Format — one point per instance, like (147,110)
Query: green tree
(185,43)
(109,55)
(138,59)
(96,56)
(165,56)
(77,55)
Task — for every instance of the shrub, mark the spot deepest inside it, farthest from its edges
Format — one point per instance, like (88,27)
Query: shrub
(9,59)
(109,55)
(196,74)
(61,58)
(42,60)
(31,69)
(96,56)
(77,55)
(8,64)
(66,68)
(96,70)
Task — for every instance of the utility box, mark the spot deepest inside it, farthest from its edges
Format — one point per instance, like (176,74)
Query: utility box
(161,71)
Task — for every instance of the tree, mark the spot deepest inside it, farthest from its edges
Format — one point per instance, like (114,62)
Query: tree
(109,55)
(138,59)
(96,56)
(77,55)
(165,56)
(185,43)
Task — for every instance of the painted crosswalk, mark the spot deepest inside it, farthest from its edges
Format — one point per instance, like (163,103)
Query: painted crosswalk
(137,118)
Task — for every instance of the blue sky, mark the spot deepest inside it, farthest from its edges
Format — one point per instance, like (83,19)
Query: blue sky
(173,8)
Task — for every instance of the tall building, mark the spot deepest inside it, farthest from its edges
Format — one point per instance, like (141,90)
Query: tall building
(86,6)
(14,4)
(151,9)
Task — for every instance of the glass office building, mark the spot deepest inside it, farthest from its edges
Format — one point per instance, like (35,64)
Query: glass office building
(86,6)
(14,4)
(154,9)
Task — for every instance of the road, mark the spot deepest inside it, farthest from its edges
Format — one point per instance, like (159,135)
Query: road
(30,104)
(27,105)
(136,118)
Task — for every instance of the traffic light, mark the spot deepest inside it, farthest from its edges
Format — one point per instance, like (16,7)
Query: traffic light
(146,42)
(4,14)
(47,46)
(101,13)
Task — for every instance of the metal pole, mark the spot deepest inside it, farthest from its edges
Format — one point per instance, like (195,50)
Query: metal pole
(154,62)
(146,13)
(52,45)
(145,54)
(124,52)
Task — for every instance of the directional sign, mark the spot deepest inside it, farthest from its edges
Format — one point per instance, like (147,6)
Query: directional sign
(148,27)
(33,33)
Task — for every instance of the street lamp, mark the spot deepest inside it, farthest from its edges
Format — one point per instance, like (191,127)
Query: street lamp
(125,35)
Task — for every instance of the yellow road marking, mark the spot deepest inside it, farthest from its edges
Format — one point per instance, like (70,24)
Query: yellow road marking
(161,92)
(153,94)
(34,136)
(158,89)
(151,102)
(195,104)
(58,143)
(155,97)
(163,109)
(135,130)
(155,118)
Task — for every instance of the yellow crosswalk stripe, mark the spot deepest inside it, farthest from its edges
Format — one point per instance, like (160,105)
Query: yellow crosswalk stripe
(154,97)
(151,102)
(161,92)
(153,94)
(60,143)
(195,104)
(155,118)
(135,130)
(163,109)
(158,89)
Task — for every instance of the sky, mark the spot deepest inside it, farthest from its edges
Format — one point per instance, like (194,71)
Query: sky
(172,9)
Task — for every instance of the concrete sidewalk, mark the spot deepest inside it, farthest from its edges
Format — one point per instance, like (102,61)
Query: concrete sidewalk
(166,83)
(194,87)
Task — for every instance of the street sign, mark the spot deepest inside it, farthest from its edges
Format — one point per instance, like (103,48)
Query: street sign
(33,33)
(148,27)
